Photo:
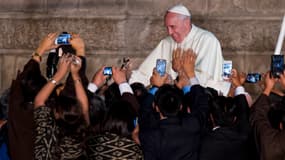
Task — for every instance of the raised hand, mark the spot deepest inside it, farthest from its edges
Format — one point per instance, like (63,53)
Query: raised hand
(177,59)
(75,65)
(189,58)
(99,78)
(235,78)
(47,43)
(63,66)
(157,80)
(119,75)
(269,83)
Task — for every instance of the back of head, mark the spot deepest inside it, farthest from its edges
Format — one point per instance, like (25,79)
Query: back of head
(276,115)
(139,91)
(223,111)
(120,119)
(70,115)
(112,94)
(97,112)
(168,98)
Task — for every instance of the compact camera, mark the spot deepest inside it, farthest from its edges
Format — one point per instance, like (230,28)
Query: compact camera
(108,71)
(63,39)
(161,66)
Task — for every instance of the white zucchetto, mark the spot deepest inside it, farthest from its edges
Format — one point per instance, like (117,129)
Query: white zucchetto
(180,9)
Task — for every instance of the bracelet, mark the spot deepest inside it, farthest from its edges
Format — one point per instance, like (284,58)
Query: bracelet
(53,81)
(36,54)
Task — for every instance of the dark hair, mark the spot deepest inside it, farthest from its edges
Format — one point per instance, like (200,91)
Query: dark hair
(97,112)
(31,84)
(71,119)
(140,91)
(4,101)
(112,94)
(120,119)
(223,111)
(168,98)
(276,115)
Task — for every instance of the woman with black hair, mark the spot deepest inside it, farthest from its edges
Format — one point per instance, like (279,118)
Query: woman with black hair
(60,120)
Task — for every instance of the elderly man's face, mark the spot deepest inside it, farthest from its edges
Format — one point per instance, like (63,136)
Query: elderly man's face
(176,26)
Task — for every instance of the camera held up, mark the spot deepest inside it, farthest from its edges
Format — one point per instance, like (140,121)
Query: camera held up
(54,55)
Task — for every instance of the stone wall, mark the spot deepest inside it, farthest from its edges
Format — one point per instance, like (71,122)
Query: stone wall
(113,29)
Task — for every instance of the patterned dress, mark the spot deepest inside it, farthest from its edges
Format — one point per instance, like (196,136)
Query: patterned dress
(47,145)
(110,146)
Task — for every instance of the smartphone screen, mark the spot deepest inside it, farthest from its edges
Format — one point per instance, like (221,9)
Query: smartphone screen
(227,69)
(62,39)
(107,71)
(161,66)
(277,65)
(253,77)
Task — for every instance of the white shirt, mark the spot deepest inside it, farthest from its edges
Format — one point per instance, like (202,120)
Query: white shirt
(208,66)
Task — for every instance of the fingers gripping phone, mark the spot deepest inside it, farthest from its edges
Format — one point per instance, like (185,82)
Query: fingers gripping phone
(161,66)
(227,69)
(62,39)
(253,77)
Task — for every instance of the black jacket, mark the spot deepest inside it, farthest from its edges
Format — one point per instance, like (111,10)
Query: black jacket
(177,137)
(229,142)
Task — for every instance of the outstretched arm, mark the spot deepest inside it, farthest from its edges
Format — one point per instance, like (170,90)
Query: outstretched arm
(79,89)
(45,92)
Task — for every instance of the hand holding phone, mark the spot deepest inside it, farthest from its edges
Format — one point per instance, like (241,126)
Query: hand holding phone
(161,66)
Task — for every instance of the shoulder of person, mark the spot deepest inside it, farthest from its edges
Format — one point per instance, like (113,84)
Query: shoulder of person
(205,34)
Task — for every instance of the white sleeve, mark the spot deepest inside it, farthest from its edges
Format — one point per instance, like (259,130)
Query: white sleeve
(239,90)
(209,59)
(92,87)
(125,87)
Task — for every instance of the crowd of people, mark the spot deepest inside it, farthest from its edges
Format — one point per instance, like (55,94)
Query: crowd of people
(175,116)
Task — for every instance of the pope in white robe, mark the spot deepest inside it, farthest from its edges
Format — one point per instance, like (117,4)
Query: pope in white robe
(209,62)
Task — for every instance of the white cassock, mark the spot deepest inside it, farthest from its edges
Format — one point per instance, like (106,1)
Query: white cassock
(208,66)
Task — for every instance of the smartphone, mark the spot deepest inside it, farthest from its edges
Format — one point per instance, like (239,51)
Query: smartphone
(253,77)
(135,122)
(227,69)
(161,66)
(62,39)
(277,65)
(107,71)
